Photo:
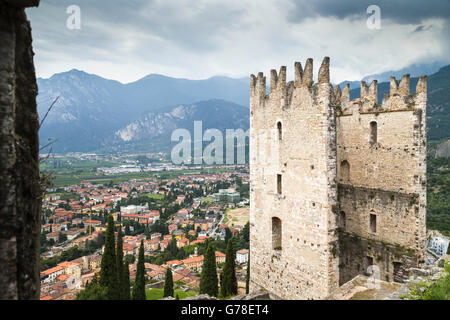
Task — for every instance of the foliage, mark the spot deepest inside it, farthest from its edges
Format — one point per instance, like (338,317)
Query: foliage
(126,282)
(120,268)
(67,255)
(228,234)
(208,280)
(168,284)
(93,291)
(229,281)
(438,194)
(108,272)
(139,283)
(437,290)
(156,293)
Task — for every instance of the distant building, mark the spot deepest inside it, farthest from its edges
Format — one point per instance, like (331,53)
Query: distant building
(133,209)
(242,256)
(229,195)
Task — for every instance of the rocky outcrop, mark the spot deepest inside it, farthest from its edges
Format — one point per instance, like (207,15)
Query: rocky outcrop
(20,197)
(257,295)
(442,150)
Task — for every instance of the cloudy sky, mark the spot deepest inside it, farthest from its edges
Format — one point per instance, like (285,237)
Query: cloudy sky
(197,39)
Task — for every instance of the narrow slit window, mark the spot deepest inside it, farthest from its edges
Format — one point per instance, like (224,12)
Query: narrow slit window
(373,223)
(279,184)
(342,223)
(276,233)
(373,132)
(280,130)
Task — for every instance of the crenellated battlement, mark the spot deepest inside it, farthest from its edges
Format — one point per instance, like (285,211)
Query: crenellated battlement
(399,98)
(282,91)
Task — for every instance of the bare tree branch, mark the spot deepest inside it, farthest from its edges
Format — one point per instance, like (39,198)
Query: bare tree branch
(46,114)
(44,159)
(50,143)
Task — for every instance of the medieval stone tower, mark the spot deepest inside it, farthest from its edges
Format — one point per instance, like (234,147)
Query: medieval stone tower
(337,185)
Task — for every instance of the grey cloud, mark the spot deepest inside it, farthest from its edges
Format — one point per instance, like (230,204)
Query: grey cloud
(196,39)
(399,11)
(194,25)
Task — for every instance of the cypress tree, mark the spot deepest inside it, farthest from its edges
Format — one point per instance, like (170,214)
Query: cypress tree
(119,262)
(126,278)
(229,286)
(221,279)
(168,284)
(208,280)
(139,282)
(172,248)
(228,234)
(108,273)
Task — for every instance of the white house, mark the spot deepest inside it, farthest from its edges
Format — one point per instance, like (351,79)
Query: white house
(49,275)
(242,256)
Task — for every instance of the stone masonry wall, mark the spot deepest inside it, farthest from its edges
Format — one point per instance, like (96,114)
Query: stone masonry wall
(305,157)
(305,138)
(359,255)
(385,177)
(20,197)
(395,213)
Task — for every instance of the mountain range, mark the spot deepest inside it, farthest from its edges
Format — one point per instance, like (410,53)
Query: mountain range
(97,114)
(92,112)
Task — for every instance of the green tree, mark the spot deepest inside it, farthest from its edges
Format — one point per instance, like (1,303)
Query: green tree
(139,282)
(93,291)
(229,286)
(172,247)
(228,234)
(208,280)
(130,259)
(126,277)
(108,273)
(168,284)
(62,237)
(120,266)
(245,233)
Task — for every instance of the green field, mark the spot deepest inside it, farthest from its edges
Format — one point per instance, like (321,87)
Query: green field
(156,294)
(207,200)
(155,196)
(66,171)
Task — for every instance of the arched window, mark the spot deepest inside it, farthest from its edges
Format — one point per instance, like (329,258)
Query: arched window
(342,222)
(280,130)
(276,233)
(373,132)
(345,171)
